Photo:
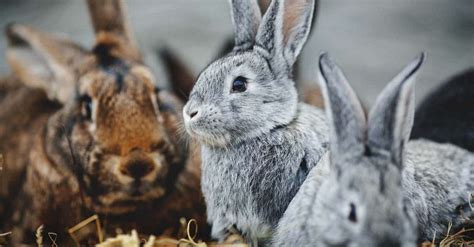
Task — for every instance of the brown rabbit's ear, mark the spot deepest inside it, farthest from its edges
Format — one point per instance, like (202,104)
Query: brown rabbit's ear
(112,28)
(44,61)
(181,78)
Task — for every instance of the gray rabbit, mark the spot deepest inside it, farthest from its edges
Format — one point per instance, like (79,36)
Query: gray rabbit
(258,142)
(375,188)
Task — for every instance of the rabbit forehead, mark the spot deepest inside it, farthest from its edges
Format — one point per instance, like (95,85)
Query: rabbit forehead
(372,188)
(124,108)
(215,78)
(368,175)
(379,212)
(107,81)
(124,123)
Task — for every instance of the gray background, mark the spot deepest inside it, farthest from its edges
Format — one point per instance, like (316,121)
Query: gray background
(371,39)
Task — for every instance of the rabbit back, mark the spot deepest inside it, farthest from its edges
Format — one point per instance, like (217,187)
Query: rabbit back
(239,182)
(301,215)
(22,112)
(437,181)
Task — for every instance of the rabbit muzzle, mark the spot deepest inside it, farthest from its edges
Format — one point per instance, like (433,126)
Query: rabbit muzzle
(128,181)
(204,122)
(139,167)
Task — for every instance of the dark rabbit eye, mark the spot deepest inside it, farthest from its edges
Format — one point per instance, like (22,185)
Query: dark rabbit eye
(86,107)
(239,84)
(352,214)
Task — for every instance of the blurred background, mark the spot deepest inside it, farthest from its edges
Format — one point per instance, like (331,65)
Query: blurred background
(371,39)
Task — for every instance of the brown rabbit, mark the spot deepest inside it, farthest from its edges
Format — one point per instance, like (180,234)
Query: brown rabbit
(87,132)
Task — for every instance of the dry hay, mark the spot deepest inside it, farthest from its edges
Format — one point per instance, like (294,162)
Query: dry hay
(132,240)
(1,162)
(39,235)
(462,238)
(82,224)
(3,237)
(53,237)
(458,239)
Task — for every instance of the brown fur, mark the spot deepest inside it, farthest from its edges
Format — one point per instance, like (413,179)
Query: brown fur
(178,73)
(22,113)
(75,125)
(312,95)
(109,16)
(293,11)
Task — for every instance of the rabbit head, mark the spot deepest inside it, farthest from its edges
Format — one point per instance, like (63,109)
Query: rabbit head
(115,131)
(362,203)
(251,91)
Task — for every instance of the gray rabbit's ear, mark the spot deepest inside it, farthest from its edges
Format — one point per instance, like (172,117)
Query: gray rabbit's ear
(344,112)
(284,30)
(391,118)
(246,19)
(45,61)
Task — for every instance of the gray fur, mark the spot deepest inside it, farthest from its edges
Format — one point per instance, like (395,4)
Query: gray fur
(249,185)
(283,32)
(344,111)
(246,19)
(258,145)
(400,193)
(391,118)
(438,179)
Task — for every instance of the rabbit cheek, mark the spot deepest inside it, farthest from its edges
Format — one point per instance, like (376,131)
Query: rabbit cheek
(207,125)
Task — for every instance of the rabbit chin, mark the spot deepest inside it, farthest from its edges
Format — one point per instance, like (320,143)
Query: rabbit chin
(125,201)
(207,138)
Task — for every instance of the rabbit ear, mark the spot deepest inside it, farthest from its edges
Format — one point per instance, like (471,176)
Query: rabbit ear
(391,118)
(246,18)
(181,78)
(110,24)
(344,112)
(44,61)
(284,30)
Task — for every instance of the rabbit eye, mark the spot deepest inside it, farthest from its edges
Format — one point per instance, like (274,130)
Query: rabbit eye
(86,107)
(352,214)
(239,84)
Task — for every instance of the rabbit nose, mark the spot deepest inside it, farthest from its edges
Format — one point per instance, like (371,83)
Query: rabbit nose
(192,114)
(137,168)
